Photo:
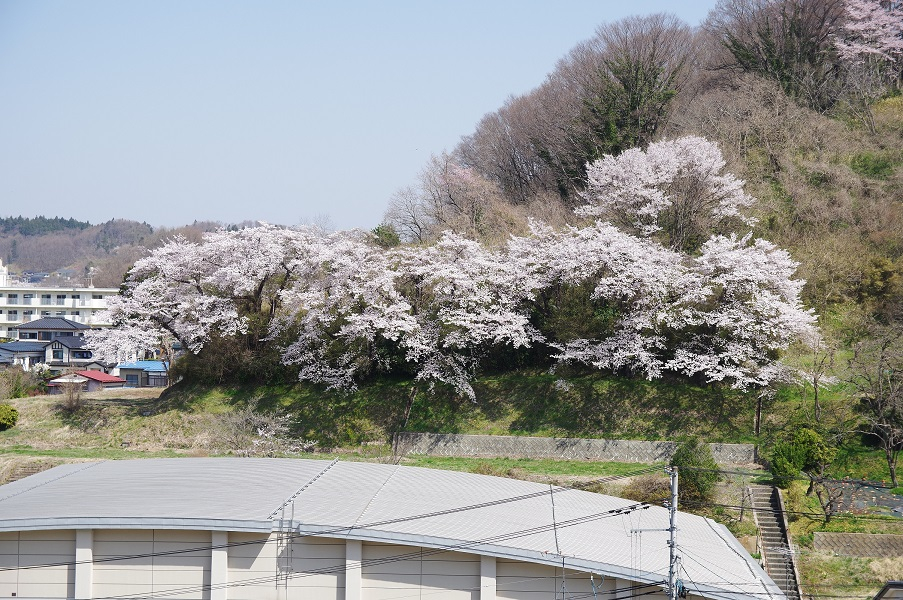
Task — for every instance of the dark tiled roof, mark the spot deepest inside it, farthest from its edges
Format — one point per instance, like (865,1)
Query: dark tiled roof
(71,341)
(22,346)
(58,323)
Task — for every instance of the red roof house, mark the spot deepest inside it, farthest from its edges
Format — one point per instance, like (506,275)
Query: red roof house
(89,380)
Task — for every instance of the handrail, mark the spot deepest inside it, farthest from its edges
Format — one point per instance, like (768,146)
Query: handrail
(796,573)
(763,560)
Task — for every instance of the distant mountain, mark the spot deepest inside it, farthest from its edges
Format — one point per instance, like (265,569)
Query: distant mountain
(78,253)
(39,225)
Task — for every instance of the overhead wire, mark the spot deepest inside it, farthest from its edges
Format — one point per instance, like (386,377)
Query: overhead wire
(347,528)
(418,553)
(384,560)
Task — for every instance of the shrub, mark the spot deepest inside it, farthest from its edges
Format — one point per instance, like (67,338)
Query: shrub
(803,449)
(698,473)
(9,416)
(648,488)
(871,164)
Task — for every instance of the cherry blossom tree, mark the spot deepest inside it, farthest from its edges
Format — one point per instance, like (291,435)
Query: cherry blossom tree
(643,286)
(675,190)
(189,291)
(669,287)
(343,313)
(872,30)
(752,312)
(870,47)
(428,309)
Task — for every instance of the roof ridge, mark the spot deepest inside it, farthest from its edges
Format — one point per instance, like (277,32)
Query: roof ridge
(302,488)
(372,498)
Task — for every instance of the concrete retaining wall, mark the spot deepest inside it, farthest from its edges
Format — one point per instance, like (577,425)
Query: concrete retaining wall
(497,446)
(859,544)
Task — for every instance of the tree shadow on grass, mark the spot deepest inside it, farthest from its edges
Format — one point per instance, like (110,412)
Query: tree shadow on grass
(621,407)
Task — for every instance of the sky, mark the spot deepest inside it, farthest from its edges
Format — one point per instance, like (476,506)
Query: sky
(289,112)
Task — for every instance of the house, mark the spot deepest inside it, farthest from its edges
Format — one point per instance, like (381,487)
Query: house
(26,354)
(273,529)
(144,373)
(46,329)
(24,302)
(88,381)
(69,352)
(61,345)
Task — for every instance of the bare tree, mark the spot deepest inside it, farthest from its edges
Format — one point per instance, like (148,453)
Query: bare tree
(789,41)
(451,197)
(876,372)
(610,93)
(72,394)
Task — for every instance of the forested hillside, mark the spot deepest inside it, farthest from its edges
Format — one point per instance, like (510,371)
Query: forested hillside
(100,254)
(802,98)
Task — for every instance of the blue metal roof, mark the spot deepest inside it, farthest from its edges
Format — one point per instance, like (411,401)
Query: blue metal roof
(144,365)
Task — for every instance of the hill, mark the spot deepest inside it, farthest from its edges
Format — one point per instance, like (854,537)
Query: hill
(76,252)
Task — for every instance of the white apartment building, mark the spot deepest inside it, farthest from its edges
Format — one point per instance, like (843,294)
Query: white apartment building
(21,303)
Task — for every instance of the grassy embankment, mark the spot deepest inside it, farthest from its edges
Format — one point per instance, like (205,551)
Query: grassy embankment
(195,421)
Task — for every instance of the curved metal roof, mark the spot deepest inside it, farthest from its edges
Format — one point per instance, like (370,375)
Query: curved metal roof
(388,503)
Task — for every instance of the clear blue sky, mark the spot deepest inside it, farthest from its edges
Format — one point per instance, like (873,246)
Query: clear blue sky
(170,111)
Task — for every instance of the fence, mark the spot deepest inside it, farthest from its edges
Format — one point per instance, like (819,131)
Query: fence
(496,446)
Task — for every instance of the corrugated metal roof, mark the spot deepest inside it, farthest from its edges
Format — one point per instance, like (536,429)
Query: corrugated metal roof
(387,503)
(144,365)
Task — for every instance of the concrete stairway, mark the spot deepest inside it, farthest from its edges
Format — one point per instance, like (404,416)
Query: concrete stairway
(775,544)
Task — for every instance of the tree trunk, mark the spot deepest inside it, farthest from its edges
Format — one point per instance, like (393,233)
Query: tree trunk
(891,466)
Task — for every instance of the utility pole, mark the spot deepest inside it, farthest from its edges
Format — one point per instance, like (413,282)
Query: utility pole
(672,507)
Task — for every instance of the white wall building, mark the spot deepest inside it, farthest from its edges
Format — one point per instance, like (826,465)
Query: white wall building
(275,529)
(21,303)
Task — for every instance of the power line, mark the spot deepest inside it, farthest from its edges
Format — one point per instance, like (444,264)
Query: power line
(349,528)
(390,559)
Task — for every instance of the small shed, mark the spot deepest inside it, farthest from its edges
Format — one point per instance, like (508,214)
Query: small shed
(90,381)
(144,373)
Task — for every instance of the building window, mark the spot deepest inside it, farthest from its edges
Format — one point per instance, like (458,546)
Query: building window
(46,335)
(97,296)
(61,313)
(12,315)
(45,313)
(81,354)
(12,298)
(45,299)
(61,299)
(57,355)
(27,298)
(131,380)
(28,335)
